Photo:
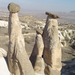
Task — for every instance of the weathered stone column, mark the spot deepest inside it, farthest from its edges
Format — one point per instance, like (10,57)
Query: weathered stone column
(52,48)
(18,60)
(36,56)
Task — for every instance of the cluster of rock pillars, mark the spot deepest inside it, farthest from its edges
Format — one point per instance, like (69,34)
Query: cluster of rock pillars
(46,55)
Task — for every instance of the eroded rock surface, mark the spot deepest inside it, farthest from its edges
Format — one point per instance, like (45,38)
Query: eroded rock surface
(52,48)
(36,56)
(18,60)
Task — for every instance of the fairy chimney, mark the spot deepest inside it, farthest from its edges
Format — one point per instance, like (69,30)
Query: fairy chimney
(36,56)
(18,59)
(52,48)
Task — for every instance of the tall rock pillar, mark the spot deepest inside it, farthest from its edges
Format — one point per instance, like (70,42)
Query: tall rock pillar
(52,48)
(36,56)
(18,60)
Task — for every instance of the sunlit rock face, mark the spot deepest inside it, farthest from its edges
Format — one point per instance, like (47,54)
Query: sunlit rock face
(52,47)
(18,60)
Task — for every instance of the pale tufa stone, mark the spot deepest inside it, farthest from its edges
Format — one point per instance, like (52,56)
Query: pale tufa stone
(52,48)
(18,59)
(36,56)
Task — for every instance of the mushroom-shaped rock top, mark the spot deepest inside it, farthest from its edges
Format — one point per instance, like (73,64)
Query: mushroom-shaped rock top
(39,31)
(52,15)
(14,8)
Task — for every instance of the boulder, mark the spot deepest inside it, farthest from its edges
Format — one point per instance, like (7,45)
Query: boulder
(14,8)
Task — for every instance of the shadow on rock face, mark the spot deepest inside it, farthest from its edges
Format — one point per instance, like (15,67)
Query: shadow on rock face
(33,56)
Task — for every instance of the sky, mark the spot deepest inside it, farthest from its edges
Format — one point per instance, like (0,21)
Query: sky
(42,5)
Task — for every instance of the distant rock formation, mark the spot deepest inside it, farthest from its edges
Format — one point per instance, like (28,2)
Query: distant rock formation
(66,36)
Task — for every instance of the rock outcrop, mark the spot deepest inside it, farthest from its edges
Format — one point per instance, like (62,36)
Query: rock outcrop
(18,60)
(54,16)
(52,48)
(36,56)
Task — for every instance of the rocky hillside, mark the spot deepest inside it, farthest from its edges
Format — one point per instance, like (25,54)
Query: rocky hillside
(29,24)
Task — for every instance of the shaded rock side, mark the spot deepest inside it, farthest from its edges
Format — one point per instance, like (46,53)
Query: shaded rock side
(52,48)
(18,60)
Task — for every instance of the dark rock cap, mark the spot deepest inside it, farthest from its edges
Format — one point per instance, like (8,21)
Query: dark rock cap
(52,15)
(39,31)
(14,8)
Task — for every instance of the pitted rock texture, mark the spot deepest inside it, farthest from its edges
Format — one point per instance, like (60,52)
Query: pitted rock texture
(52,48)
